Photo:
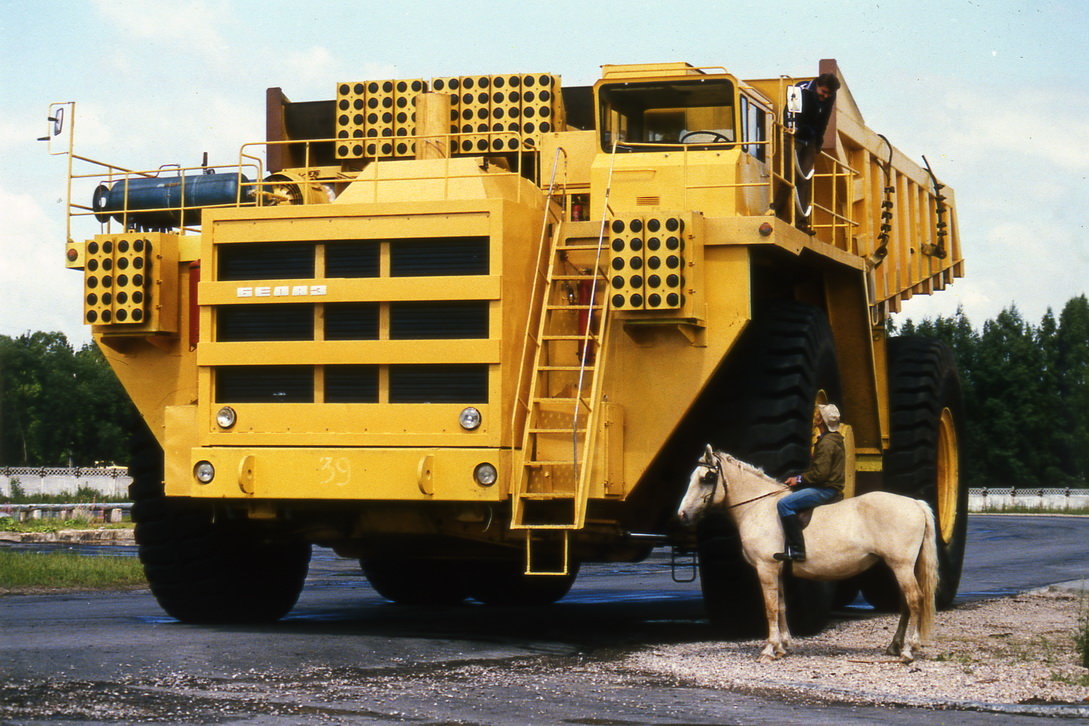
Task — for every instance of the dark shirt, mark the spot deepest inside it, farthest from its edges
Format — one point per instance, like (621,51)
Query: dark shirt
(811,123)
(827,469)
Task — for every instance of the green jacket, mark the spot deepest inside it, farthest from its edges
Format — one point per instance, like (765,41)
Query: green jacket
(827,467)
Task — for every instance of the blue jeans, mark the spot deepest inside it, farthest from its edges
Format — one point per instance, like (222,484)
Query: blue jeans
(801,499)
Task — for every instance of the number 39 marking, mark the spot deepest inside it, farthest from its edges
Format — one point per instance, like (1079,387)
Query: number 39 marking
(334,471)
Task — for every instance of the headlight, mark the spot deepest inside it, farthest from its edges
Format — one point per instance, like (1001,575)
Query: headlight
(204,472)
(485,474)
(469,418)
(226,417)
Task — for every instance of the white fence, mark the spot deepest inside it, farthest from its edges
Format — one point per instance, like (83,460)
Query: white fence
(998,499)
(111,482)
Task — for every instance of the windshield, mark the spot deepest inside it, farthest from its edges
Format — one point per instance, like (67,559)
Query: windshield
(698,112)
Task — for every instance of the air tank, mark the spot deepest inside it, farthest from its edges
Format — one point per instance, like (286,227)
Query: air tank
(156,202)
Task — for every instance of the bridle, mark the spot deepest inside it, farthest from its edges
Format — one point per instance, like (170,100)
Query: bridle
(712,477)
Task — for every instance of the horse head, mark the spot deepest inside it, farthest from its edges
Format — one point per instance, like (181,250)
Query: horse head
(706,487)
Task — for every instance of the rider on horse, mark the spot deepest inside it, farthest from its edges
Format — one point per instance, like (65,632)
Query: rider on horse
(821,483)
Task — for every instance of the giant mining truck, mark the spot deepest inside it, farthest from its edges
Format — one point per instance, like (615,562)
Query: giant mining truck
(474,331)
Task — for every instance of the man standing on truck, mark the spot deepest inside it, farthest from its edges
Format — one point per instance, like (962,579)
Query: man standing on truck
(818,99)
(821,483)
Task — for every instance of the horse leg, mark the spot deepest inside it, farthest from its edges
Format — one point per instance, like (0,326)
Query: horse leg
(907,632)
(773,606)
(784,628)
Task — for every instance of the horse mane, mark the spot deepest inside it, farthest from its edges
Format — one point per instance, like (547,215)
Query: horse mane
(747,467)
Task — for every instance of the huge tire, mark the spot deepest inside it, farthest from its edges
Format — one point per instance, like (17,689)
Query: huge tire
(788,367)
(504,583)
(416,581)
(923,458)
(202,571)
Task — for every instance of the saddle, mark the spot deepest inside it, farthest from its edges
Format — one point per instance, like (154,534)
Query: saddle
(807,514)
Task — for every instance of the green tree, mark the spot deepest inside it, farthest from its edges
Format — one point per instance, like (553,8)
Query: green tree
(58,405)
(1071,423)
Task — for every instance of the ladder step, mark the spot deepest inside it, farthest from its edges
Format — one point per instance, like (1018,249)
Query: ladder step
(583,248)
(591,336)
(583,401)
(540,463)
(574,307)
(580,277)
(557,431)
(547,496)
(587,368)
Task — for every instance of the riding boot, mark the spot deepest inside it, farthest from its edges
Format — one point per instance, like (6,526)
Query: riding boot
(795,543)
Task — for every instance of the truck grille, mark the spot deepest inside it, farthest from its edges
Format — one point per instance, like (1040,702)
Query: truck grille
(294,300)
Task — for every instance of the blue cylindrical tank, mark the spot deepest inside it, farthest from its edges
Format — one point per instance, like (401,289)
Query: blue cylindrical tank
(157,202)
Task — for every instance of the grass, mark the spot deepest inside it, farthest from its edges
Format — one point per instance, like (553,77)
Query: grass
(8,524)
(32,570)
(1082,637)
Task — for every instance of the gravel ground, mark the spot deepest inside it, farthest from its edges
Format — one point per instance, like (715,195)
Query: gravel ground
(1016,650)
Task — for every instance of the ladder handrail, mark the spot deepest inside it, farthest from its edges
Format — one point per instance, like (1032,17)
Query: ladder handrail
(531,308)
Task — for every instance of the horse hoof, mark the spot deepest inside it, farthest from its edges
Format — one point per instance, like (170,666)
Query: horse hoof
(892,650)
(766,659)
(906,658)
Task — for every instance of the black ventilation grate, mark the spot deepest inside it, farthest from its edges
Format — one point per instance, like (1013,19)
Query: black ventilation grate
(351,259)
(351,321)
(239,323)
(266,261)
(351,384)
(463,383)
(265,384)
(439,256)
(435,320)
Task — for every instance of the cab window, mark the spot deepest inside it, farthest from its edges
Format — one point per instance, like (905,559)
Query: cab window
(699,113)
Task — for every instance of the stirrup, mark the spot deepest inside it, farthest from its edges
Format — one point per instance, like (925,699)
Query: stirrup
(789,556)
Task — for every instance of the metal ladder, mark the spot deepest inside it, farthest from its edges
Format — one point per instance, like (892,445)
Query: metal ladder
(551,488)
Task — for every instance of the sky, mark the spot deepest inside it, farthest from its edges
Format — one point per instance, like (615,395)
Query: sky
(993,92)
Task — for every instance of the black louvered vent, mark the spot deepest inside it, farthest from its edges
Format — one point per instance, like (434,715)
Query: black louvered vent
(466,383)
(431,320)
(265,384)
(351,259)
(351,384)
(351,321)
(265,322)
(266,261)
(439,256)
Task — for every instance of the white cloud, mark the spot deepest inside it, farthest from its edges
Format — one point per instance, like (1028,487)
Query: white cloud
(191,25)
(39,293)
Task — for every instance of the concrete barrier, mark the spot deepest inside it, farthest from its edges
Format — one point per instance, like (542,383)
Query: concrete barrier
(111,482)
(105,512)
(1001,499)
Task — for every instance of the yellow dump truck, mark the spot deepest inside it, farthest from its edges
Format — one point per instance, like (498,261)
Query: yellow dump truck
(475,330)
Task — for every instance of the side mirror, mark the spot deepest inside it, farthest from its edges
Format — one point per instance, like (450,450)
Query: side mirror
(794,99)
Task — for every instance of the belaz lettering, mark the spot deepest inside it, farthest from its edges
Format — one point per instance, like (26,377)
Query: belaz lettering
(282,291)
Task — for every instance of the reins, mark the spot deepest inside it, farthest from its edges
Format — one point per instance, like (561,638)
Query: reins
(721,475)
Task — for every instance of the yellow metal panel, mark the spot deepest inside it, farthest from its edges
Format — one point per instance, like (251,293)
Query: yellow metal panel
(333,290)
(349,352)
(344,473)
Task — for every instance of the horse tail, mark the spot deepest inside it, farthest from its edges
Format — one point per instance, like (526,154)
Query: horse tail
(926,571)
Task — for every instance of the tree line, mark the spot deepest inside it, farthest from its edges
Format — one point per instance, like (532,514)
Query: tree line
(60,406)
(1026,395)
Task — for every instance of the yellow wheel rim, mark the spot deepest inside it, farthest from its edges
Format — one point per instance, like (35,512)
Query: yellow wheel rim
(948,484)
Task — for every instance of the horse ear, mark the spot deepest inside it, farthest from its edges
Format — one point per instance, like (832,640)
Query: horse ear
(709,454)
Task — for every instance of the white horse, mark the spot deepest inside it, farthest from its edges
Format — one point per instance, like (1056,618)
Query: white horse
(842,540)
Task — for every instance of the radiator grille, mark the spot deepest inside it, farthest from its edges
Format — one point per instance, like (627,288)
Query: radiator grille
(351,321)
(266,261)
(439,256)
(352,259)
(459,383)
(265,384)
(239,323)
(351,384)
(437,320)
